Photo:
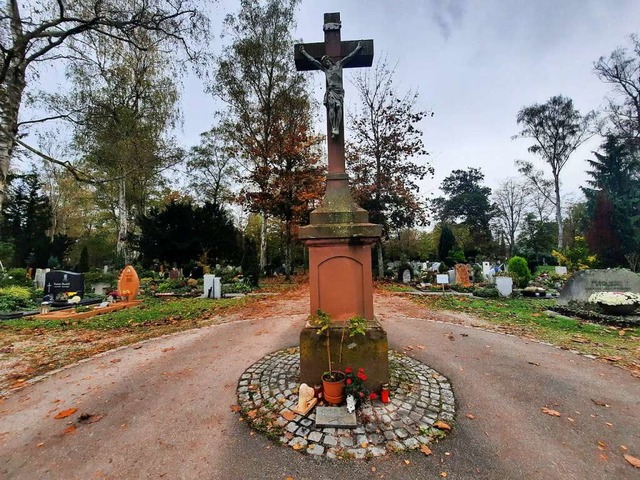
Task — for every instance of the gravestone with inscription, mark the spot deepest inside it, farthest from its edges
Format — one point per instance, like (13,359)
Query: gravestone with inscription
(58,281)
(585,282)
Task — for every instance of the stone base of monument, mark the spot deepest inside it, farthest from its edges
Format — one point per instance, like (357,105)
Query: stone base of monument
(369,351)
(420,397)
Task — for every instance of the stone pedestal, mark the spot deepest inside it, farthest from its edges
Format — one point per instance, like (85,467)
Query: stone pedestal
(368,351)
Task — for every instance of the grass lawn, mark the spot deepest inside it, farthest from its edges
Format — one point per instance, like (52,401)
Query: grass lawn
(30,347)
(525,317)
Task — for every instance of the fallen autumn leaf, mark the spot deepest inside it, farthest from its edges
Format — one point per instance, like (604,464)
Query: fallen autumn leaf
(426,450)
(442,425)
(548,411)
(289,415)
(632,460)
(65,413)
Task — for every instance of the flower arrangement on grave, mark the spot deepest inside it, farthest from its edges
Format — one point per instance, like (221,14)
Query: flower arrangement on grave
(355,389)
(616,303)
(614,298)
(124,294)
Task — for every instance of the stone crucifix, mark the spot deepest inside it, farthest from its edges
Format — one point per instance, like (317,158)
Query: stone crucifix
(331,57)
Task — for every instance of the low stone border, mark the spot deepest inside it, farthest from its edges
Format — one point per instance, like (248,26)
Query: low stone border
(420,397)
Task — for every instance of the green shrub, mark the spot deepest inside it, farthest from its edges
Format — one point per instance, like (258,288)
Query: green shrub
(237,287)
(178,285)
(486,292)
(15,276)
(97,276)
(520,271)
(15,298)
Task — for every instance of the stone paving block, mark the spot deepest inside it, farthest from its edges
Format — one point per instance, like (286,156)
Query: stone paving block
(346,441)
(315,449)
(292,427)
(390,435)
(411,443)
(330,440)
(370,428)
(357,453)
(394,445)
(298,441)
(315,436)
(376,451)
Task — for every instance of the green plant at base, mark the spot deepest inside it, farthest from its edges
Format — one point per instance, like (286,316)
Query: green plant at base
(323,321)
(486,292)
(520,271)
(357,326)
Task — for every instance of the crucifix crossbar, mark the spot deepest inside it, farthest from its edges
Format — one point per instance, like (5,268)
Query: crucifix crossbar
(331,57)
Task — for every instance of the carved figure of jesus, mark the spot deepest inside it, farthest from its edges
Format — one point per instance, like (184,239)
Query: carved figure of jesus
(334,95)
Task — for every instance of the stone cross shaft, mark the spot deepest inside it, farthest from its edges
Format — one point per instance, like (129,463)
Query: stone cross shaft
(347,54)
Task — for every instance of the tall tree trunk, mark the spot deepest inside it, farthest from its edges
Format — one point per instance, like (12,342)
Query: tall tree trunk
(380,259)
(10,100)
(287,252)
(263,243)
(556,180)
(123,226)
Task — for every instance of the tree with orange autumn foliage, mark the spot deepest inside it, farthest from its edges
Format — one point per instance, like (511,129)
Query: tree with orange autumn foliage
(255,77)
(386,154)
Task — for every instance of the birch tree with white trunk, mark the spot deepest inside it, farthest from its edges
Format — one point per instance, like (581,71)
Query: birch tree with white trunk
(35,33)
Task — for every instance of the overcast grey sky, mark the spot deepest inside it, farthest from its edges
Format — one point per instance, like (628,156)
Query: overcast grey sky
(475,64)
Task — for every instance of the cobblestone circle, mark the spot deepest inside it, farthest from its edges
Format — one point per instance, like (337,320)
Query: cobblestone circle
(420,397)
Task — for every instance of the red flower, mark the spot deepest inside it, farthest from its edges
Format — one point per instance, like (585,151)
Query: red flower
(361,394)
(348,370)
(349,381)
(373,396)
(362,376)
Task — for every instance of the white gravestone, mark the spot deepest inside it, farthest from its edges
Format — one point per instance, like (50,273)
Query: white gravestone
(212,287)
(561,270)
(406,276)
(452,276)
(504,285)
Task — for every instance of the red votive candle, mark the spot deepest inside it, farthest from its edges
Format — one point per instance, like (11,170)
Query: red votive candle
(384,393)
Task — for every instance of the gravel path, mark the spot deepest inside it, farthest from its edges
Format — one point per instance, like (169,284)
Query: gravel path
(161,409)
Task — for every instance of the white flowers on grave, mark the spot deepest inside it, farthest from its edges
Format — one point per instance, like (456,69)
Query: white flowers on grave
(615,298)
(351,404)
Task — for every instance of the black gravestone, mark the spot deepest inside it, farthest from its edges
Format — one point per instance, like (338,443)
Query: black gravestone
(59,281)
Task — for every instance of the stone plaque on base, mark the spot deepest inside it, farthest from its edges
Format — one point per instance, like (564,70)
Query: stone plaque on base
(337,417)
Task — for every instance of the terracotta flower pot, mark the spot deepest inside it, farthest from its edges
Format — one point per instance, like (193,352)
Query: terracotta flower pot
(334,389)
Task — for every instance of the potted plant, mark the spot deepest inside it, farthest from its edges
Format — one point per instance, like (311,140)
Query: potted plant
(616,303)
(334,380)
